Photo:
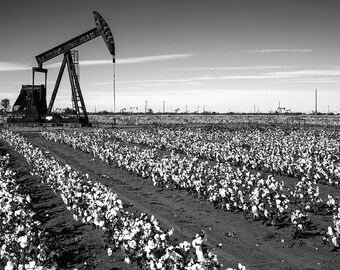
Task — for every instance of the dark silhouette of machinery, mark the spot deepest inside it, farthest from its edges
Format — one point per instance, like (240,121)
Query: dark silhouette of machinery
(31,102)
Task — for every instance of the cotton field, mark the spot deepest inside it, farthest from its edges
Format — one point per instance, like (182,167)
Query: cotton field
(174,197)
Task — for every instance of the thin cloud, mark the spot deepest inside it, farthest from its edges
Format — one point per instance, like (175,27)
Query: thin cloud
(132,60)
(10,66)
(185,80)
(278,50)
(297,75)
(304,73)
(230,68)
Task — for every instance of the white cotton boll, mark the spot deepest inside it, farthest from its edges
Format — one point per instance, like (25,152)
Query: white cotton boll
(152,265)
(28,198)
(156,236)
(199,254)
(163,236)
(9,266)
(254,211)
(109,252)
(101,223)
(132,244)
(17,212)
(151,244)
(278,202)
(20,228)
(22,240)
(159,265)
(335,241)
(241,267)
(30,266)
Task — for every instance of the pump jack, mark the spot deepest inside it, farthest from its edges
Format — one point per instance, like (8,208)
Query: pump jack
(32,98)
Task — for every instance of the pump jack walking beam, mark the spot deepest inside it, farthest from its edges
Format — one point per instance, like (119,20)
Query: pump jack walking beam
(102,29)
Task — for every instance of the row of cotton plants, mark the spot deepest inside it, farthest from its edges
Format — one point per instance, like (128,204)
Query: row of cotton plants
(313,154)
(220,184)
(213,119)
(23,244)
(233,190)
(141,237)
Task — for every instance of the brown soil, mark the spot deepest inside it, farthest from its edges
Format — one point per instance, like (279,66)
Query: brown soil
(231,236)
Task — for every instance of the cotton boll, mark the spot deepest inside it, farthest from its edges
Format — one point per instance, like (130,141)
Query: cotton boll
(335,241)
(241,267)
(9,266)
(132,244)
(22,240)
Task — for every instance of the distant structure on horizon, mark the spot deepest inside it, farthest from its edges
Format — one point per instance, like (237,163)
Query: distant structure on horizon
(316,101)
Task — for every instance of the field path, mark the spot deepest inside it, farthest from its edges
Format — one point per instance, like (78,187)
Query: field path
(232,237)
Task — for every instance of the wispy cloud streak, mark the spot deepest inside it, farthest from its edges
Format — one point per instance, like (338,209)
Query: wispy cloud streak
(312,75)
(231,68)
(305,73)
(9,66)
(132,60)
(279,50)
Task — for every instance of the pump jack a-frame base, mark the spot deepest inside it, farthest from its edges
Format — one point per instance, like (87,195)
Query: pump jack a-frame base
(77,97)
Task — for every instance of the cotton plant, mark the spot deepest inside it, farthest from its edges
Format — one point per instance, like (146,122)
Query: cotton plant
(268,201)
(299,220)
(333,232)
(306,194)
(332,203)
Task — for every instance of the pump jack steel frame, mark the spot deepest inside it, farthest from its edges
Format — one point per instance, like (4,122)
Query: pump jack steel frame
(101,29)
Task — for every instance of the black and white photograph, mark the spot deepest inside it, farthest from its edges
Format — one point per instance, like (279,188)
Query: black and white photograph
(169,135)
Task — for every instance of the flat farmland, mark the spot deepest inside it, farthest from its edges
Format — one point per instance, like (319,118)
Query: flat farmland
(235,234)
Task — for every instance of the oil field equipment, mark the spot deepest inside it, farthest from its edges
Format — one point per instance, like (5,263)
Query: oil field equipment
(31,103)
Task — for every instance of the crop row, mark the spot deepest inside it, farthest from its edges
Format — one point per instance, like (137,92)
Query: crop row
(234,190)
(213,119)
(141,237)
(312,154)
(23,244)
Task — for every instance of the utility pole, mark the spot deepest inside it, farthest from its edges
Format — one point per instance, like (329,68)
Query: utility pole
(316,101)
(146,105)
(163,106)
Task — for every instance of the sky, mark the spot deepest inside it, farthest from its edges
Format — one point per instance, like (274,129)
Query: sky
(191,55)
